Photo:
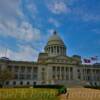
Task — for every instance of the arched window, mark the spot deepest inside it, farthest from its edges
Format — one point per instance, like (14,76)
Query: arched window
(14,82)
(34,83)
(21,83)
(7,83)
(28,83)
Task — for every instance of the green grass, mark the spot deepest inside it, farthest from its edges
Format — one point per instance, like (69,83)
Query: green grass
(28,94)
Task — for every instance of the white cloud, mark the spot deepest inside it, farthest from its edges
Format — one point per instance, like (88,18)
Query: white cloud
(9,9)
(54,22)
(58,7)
(25,53)
(32,9)
(50,31)
(24,31)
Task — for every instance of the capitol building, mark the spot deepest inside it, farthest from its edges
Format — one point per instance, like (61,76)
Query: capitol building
(53,66)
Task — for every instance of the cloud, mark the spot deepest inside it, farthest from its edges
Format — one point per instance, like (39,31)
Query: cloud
(24,31)
(58,7)
(54,22)
(32,8)
(9,9)
(25,53)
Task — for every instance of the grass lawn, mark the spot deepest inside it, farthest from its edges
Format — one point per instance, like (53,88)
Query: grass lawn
(28,94)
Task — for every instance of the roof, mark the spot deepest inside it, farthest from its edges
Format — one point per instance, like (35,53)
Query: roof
(55,39)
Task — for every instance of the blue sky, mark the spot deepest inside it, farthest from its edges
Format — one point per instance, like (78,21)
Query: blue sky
(25,26)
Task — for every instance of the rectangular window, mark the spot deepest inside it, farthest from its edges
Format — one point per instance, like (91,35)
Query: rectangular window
(9,68)
(54,69)
(21,76)
(34,76)
(29,69)
(35,69)
(16,76)
(28,76)
(16,68)
(22,69)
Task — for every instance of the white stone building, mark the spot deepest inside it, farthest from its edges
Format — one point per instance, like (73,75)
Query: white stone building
(52,67)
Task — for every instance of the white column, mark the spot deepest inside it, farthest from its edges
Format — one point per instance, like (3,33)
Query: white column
(64,73)
(60,74)
(69,72)
(50,50)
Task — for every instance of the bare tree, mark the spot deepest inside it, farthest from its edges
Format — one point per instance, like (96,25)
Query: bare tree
(5,75)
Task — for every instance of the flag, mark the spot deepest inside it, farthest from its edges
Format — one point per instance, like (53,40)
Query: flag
(87,61)
(94,58)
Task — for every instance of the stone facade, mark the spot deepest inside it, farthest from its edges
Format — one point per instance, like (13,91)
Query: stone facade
(52,67)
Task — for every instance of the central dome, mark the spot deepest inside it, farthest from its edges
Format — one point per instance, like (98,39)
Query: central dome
(55,39)
(55,46)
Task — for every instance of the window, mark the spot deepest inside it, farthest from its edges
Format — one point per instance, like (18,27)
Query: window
(16,68)
(9,68)
(14,82)
(57,49)
(15,76)
(78,70)
(34,76)
(95,84)
(66,69)
(35,69)
(53,76)
(79,77)
(53,68)
(62,68)
(43,69)
(7,83)
(28,76)
(22,69)
(21,76)
(34,83)
(58,68)
(71,69)
(21,83)
(29,69)
(28,83)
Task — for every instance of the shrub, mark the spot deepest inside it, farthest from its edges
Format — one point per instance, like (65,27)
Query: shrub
(48,86)
(62,90)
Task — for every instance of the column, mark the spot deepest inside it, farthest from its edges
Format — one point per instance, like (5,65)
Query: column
(64,73)
(60,73)
(50,50)
(69,72)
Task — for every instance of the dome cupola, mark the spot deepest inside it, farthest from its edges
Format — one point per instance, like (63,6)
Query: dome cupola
(55,46)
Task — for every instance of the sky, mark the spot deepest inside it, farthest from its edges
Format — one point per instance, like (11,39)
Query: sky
(26,25)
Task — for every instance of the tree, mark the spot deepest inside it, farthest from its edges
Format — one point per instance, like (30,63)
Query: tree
(5,75)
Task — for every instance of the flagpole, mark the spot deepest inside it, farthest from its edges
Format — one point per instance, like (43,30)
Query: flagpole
(5,52)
